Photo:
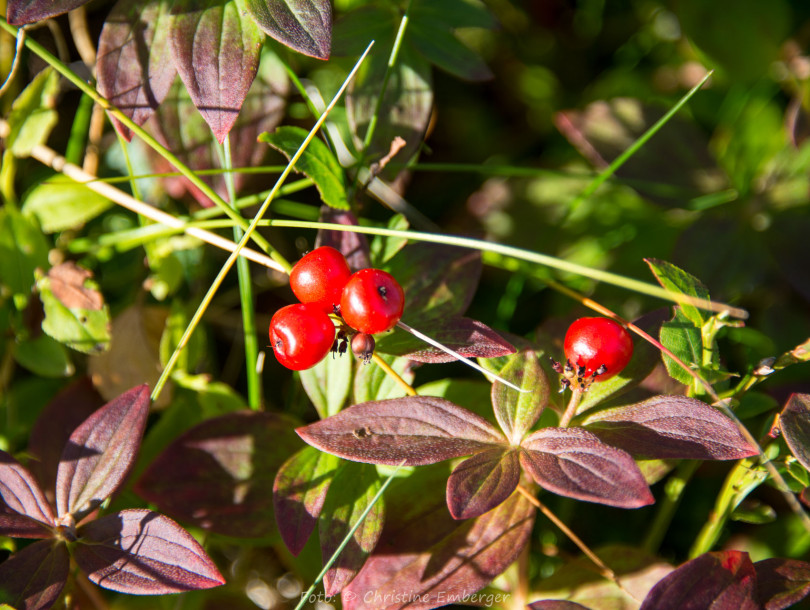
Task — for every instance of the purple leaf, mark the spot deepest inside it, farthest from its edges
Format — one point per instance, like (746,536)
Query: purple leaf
(556,604)
(303,25)
(299,492)
(439,281)
(179,127)
(517,412)
(15,525)
(417,429)
(573,462)
(446,569)
(714,580)
(144,553)
(219,474)
(54,425)
(135,66)
(781,583)
(670,427)
(794,421)
(21,12)
(33,578)
(216,50)
(100,453)
(354,487)
(354,246)
(470,338)
(483,482)
(21,493)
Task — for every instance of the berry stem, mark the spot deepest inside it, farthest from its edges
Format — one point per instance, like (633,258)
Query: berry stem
(393,374)
(571,409)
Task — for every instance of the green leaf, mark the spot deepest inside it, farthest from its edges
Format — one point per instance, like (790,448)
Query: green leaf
(44,357)
(32,114)
(372,383)
(327,383)
(517,412)
(60,203)
(683,339)
(353,487)
(384,248)
(303,25)
(85,330)
(677,280)
(23,249)
(453,13)
(439,46)
(355,30)
(317,162)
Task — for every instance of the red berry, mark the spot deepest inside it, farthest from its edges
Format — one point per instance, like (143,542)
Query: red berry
(363,346)
(301,335)
(599,345)
(372,301)
(319,278)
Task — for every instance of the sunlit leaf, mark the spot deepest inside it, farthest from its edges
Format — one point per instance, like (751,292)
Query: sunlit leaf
(303,25)
(670,427)
(517,411)
(135,66)
(21,12)
(33,115)
(100,453)
(141,552)
(299,492)
(219,474)
(482,482)
(22,249)
(216,49)
(724,579)
(683,339)
(21,493)
(61,203)
(33,578)
(353,487)
(782,583)
(417,429)
(679,281)
(795,425)
(574,463)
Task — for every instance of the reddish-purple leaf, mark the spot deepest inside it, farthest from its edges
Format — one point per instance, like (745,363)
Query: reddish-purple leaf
(54,425)
(100,453)
(574,463)
(482,482)
(556,604)
(354,246)
(517,412)
(470,338)
(439,281)
(21,493)
(417,429)
(144,553)
(436,571)
(135,66)
(216,51)
(299,492)
(714,580)
(354,487)
(219,474)
(670,427)
(21,12)
(781,583)
(794,422)
(303,25)
(33,578)
(15,525)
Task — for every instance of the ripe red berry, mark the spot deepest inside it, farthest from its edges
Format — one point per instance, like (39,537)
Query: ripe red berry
(319,278)
(372,301)
(301,335)
(599,345)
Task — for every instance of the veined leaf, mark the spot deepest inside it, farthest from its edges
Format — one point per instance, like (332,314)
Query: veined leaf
(517,412)
(21,493)
(482,482)
(795,426)
(21,12)
(61,203)
(679,281)
(33,115)
(33,578)
(782,583)
(303,25)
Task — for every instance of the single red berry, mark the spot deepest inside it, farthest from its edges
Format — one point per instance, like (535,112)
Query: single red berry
(372,301)
(319,278)
(598,346)
(301,335)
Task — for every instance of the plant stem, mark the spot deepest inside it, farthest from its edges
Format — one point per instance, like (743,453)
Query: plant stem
(245,294)
(571,409)
(604,570)
(393,374)
(666,507)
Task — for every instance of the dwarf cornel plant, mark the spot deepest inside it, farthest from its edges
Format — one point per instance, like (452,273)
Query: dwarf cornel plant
(518,316)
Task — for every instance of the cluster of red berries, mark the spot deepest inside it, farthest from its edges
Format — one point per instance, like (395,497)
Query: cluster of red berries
(596,349)
(369,301)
